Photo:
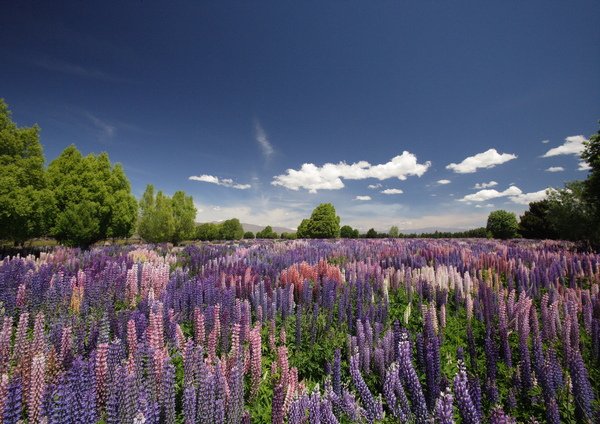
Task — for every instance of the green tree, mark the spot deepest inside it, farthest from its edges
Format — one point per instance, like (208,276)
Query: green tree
(535,222)
(184,216)
(92,187)
(347,232)
(302,231)
(371,233)
(208,231)
(249,235)
(266,233)
(231,229)
(502,224)
(572,215)
(394,232)
(324,223)
(27,206)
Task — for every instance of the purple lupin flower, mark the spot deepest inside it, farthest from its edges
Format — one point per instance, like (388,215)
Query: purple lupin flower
(582,389)
(373,407)
(60,401)
(392,389)
(235,407)
(219,417)
(411,379)
(467,409)
(115,392)
(277,404)
(14,401)
(443,408)
(168,393)
(327,415)
(337,372)
(189,405)
(314,408)
(498,416)
(296,414)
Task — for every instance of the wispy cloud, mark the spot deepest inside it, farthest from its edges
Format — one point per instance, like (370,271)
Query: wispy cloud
(225,182)
(487,205)
(329,176)
(68,68)
(573,145)
(362,198)
(479,186)
(374,186)
(108,130)
(584,166)
(392,191)
(263,140)
(545,141)
(555,169)
(488,159)
(443,182)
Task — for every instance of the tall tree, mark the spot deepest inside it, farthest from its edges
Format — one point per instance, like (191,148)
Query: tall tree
(231,229)
(26,204)
(394,232)
(591,155)
(324,223)
(184,214)
(157,220)
(502,224)
(535,222)
(93,198)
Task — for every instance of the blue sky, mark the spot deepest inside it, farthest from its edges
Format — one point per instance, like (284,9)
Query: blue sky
(254,98)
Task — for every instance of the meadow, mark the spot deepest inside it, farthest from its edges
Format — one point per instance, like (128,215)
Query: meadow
(304,331)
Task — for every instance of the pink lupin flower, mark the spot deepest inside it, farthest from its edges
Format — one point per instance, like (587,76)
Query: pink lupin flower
(39,339)
(21,300)
(212,346)
(132,343)
(132,285)
(101,369)
(199,330)
(179,337)
(3,392)
(5,337)
(37,389)
(255,359)
(66,344)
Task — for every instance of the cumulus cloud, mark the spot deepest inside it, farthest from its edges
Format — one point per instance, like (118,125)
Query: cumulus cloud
(573,145)
(488,159)
(263,140)
(527,198)
(487,194)
(584,166)
(555,169)
(329,176)
(374,186)
(362,198)
(225,182)
(392,191)
(479,186)
(443,182)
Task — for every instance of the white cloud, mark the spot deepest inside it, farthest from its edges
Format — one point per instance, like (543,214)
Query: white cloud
(584,166)
(443,182)
(527,198)
(573,145)
(487,194)
(488,159)
(479,186)
(329,176)
(362,198)
(263,140)
(487,205)
(374,186)
(545,141)
(555,169)
(392,191)
(225,182)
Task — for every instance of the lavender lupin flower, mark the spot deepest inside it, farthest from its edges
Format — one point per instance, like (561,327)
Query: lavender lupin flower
(327,416)
(443,408)
(411,379)
(373,407)
(314,408)
(467,409)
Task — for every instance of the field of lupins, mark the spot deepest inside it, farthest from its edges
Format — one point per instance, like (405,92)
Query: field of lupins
(302,332)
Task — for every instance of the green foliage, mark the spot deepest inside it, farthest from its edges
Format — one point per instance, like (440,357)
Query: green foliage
(394,232)
(535,223)
(591,155)
(571,214)
(288,236)
(93,198)
(302,231)
(502,224)
(208,232)
(266,233)
(231,229)
(348,232)
(26,204)
(371,233)
(324,223)
(184,215)
(249,235)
